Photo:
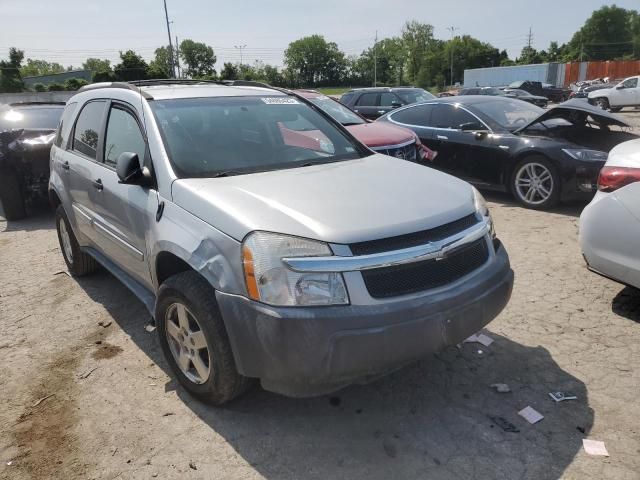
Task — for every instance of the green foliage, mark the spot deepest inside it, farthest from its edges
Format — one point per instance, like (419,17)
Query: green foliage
(229,72)
(40,67)
(314,61)
(39,87)
(74,84)
(97,65)
(160,66)
(131,67)
(198,58)
(104,76)
(56,87)
(10,78)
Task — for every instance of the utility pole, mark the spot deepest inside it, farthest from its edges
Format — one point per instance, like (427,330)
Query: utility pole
(375,61)
(452,29)
(172,65)
(240,47)
(178,75)
(529,39)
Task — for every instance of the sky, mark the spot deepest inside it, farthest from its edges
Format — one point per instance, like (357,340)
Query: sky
(69,31)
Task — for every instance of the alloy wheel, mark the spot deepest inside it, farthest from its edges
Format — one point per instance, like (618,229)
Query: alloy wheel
(187,343)
(534,183)
(66,240)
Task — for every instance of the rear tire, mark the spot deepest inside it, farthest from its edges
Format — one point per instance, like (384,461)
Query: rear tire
(535,183)
(11,196)
(602,103)
(78,262)
(194,339)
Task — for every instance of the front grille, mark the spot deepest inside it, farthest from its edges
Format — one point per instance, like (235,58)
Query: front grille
(407,152)
(415,277)
(414,239)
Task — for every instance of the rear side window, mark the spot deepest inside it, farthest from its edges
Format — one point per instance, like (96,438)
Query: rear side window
(419,115)
(123,135)
(62,136)
(449,116)
(368,99)
(87,132)
(387,99)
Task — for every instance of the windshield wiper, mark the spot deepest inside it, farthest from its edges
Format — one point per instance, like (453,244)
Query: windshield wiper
(226,173)
(348,124)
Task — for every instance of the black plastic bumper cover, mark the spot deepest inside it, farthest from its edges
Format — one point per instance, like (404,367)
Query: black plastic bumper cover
(300,351)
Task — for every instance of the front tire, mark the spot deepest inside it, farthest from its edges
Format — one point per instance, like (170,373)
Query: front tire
(11,196)
(194,339)
(78,262)
(535,183)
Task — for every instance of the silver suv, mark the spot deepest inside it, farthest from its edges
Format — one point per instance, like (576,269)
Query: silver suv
(265,240)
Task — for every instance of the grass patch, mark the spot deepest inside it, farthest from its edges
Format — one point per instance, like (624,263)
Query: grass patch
(334,90)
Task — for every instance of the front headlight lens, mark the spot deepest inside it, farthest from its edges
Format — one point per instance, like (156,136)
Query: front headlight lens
(586,154)
(483,209)
(270,281)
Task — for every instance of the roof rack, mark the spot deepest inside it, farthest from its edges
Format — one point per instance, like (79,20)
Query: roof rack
(124,85)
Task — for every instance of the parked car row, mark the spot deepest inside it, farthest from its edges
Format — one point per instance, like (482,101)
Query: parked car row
(615,98)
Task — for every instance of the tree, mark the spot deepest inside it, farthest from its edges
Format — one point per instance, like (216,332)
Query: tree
(611,32)
(74,84)
(39,87)
(131,67)
(199,59)
(314,61)
(160,66)
(97,65)
(417,40)
(56,87)
(10,79)
(40,67)
(229,72)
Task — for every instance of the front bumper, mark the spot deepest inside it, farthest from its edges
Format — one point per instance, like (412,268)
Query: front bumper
(306,351)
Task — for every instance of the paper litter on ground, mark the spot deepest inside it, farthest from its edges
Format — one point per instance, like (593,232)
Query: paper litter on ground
(480,338)
(561,396)
(530,415)
(595,447)
(501,387)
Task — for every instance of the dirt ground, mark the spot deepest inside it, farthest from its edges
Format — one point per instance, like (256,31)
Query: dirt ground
(86,394)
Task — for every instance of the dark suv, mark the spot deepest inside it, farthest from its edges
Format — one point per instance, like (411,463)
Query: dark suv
(375,102)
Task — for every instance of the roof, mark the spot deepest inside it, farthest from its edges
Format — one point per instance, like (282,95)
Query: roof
(167,89)
(32,105)
(383,89)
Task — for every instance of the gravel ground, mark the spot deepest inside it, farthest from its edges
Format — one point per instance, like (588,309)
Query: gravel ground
(86,392)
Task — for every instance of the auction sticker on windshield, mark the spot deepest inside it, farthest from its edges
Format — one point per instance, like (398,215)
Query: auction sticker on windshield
(279,101)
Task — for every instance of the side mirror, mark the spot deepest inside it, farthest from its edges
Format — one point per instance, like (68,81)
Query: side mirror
(395,104)
(129,170)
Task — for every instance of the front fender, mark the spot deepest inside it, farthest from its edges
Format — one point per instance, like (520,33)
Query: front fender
(210,252)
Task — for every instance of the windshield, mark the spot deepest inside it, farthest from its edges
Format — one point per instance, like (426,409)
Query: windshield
(508,114)
(492,91)
(338,111)
(231,135)
(32,118)
(414,95)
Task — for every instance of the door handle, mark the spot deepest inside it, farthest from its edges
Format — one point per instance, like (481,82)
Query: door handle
(97,184)
(65,165)
(442,137)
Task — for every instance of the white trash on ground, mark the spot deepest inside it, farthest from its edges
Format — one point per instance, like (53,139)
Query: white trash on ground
(530,415)
(595,447)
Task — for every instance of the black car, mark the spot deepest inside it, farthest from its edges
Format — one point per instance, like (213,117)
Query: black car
(27,132)
(373,102)
(537,100)
(551,92)
(493,91)
(541,156)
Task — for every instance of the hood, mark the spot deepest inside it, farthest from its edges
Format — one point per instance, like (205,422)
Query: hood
(23,140)
(567,109)
(343,202)
(378,134)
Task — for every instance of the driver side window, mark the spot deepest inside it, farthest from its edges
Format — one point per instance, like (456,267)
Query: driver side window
(630,83)
(450,116)
(123,135)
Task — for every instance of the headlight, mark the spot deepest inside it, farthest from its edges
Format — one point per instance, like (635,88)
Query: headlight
(269,280)
(586,155)
(483,209)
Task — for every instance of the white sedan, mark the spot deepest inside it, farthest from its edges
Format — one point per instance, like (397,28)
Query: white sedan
(610,224)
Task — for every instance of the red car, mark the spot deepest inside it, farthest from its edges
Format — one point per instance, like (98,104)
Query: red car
(381,137)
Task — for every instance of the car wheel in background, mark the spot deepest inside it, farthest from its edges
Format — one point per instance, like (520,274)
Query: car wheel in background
(535,183)
(602,103)
(78,262)
(615,109)
(194,339)
(11,196)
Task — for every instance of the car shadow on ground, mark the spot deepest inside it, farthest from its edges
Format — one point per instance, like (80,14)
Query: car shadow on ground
(437,418)
(572,209)
(627,304)
(40,217)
